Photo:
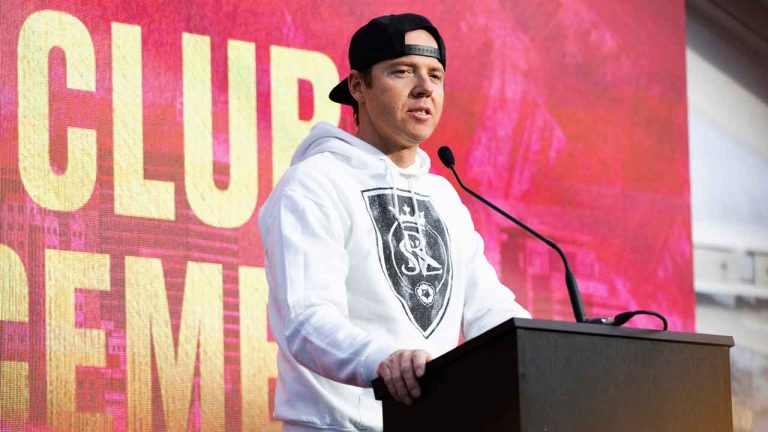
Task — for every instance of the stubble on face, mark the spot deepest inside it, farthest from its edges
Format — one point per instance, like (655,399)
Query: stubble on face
(403,105)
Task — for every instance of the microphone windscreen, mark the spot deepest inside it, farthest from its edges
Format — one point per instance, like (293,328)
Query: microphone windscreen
(446,156)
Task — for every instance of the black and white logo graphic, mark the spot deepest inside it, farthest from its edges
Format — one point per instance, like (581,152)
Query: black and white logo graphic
(415,253)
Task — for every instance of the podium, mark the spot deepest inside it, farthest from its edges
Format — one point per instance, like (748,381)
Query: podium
(535,375)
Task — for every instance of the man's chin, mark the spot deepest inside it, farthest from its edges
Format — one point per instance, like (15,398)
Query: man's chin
(420,134)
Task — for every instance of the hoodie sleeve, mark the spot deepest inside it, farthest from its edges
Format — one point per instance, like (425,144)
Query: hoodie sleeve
(307,263)
(487,302)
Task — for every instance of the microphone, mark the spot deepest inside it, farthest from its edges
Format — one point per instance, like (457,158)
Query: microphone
(446,157)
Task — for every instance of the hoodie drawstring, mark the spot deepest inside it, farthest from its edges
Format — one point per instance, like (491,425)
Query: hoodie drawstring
(396,201)
(416,214)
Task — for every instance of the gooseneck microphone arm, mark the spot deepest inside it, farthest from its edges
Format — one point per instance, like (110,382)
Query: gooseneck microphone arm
(446,157)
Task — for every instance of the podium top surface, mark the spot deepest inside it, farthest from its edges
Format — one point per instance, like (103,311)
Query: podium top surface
(625,332)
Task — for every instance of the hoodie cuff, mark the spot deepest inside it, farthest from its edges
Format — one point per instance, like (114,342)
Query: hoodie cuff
(370,362)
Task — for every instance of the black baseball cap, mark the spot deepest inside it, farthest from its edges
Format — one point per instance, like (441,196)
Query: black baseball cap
(383,38)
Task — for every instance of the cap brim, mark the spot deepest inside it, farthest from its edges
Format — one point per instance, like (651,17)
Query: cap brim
(340,94)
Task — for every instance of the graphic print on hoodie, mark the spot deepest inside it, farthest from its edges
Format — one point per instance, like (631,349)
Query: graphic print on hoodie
(415,253)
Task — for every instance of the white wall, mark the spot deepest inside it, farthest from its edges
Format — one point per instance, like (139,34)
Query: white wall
(727,81)
(728,124)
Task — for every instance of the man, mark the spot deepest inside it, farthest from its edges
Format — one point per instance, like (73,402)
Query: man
(373,264)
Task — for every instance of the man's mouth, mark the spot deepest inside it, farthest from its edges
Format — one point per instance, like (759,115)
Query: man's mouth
(423,112)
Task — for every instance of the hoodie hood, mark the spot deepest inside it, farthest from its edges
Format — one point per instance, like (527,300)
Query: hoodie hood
(325,138)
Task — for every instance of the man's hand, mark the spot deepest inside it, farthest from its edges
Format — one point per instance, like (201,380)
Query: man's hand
(399,372)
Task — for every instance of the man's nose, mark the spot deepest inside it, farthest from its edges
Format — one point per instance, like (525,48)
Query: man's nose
(423,86)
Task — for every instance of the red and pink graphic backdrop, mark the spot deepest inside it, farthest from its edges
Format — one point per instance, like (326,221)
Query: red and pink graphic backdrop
(569,114)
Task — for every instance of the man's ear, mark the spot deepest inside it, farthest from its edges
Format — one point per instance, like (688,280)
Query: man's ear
(356,86)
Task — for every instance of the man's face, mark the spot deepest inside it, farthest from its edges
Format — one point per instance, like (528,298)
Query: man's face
(404,103)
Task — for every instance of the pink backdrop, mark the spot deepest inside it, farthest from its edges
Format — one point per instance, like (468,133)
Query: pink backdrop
(569,114)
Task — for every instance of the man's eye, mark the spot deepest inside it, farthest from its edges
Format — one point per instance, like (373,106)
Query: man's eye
(402,71)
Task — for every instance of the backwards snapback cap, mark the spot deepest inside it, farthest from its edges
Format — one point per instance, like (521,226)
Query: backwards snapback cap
(383,38)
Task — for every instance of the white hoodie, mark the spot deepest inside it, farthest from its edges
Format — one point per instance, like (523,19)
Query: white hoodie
(357,271)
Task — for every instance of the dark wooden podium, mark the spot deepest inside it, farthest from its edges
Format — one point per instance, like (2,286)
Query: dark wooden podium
(533,375)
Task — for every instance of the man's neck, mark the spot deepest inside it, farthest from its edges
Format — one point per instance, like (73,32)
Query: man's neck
(399,155)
